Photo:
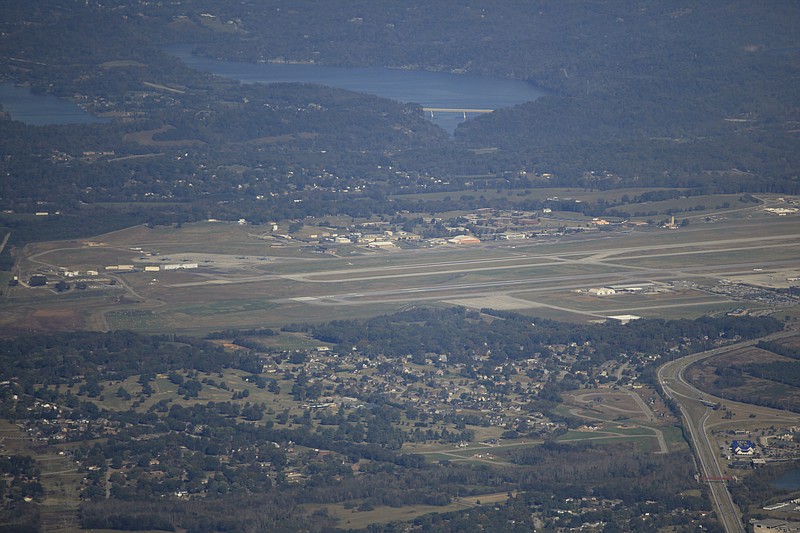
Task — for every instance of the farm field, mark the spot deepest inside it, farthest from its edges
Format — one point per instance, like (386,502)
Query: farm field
(242,276)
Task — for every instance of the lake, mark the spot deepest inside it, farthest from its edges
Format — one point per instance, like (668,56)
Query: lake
(789,480)
(429,89)
(41,110)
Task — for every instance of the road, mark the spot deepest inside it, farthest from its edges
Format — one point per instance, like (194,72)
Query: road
(5,241)
(695,417)
(644,410)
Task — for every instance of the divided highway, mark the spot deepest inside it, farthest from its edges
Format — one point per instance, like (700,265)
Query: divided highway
(695,414)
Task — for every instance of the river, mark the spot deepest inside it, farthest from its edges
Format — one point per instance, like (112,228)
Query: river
(429,89)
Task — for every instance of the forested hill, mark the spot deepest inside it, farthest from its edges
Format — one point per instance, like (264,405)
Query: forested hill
(642,89)
(694,94)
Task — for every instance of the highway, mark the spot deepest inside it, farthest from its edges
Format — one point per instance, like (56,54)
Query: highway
(695,417)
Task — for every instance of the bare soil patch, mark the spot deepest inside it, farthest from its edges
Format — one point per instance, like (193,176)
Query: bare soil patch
(55,320)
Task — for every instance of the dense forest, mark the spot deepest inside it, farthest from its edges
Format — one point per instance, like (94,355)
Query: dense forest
(697,95)
(462,335)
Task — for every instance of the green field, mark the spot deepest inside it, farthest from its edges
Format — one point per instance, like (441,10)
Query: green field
(355,519)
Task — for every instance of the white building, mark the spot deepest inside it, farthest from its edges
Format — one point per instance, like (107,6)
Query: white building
(775,524)
(624,319)
(182,266)
(602,291)
(381,244)
(464,239)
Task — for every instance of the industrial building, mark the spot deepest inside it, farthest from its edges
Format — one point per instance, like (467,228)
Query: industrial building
(602,291)
(464,239)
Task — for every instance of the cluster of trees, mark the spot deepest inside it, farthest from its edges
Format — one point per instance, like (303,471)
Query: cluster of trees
(786,373)
(461,334)
(758,489)
(235,332)
(707,90)
(20,483)
(233,513)
(779,348)
(235,453)
(659,110)
(771,384)
(561,473)
(60,358)
(515,516)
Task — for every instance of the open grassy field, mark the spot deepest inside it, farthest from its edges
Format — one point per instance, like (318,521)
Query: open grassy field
(619,415)
(644,442)
(725,376)
(475,452)
(247,277)
(352,518)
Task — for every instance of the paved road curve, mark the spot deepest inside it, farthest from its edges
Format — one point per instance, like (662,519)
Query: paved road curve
(695,415)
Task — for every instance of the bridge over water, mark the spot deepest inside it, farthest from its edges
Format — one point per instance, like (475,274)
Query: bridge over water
(455,110)
(433,110)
